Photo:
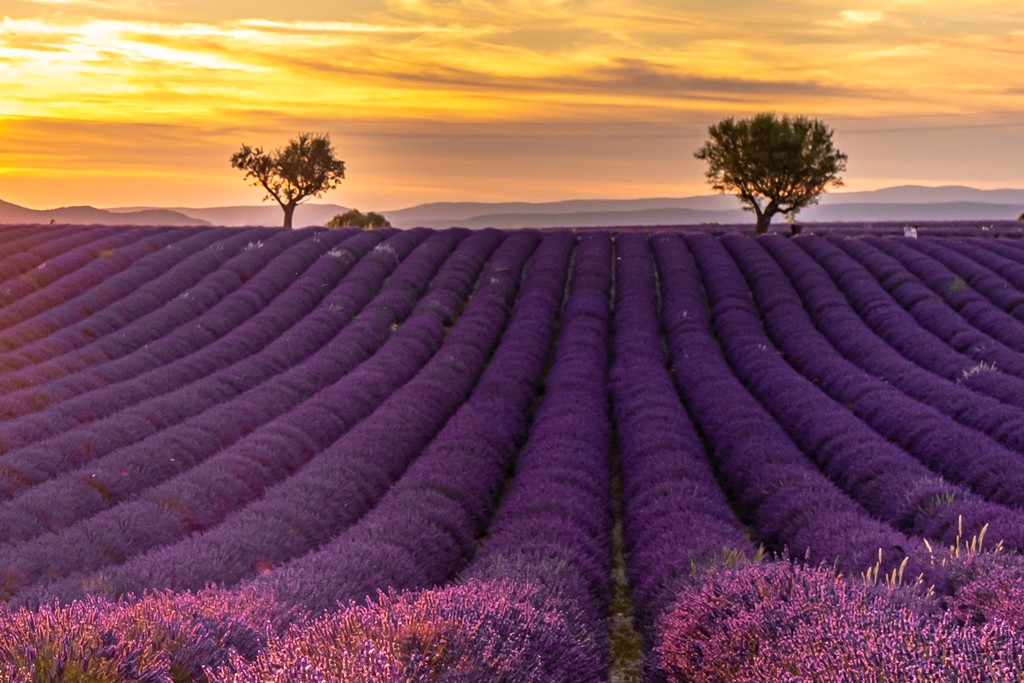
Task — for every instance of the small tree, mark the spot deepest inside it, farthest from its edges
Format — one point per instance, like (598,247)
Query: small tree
(306,167)
(774,165)
(354,218)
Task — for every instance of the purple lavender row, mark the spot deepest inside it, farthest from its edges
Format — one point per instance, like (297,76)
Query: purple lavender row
(975,315)
(790,504)
(116,475)
(890,321)
(194,249)
(16,240)
(147,315)
(1006,280)
(858,343)
(820,408)
(330,459)
(676,520)
(553,530)
(981,279)
(1009,251)
(109,381)
(930,311)
(425,528)
(75,305)
(33,291)
(43,311)
(28,254)
(163,393)
(238,270)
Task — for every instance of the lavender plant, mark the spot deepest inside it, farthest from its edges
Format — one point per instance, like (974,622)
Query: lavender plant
(677,521)
(116,471)
(785,498)
(499,631)
(424,529)
(959,398)
(784,622)
(886,480)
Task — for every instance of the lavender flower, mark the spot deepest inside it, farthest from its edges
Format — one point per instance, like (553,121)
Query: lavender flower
(783,622)
(477,631)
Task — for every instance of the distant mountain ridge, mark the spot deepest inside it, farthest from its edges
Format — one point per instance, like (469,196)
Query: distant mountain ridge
(245,216)
(88,215)
(902,203)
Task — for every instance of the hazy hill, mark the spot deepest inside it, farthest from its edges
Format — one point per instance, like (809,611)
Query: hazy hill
(87,215)
(904,203)
(266,214)
(942,211)
(917,194)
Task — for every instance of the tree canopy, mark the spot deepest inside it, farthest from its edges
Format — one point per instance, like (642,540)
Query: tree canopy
(305,167)
(353,218)
(772,164)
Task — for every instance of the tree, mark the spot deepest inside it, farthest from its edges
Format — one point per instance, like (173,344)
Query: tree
(773,165)
(306,167)
(354,218)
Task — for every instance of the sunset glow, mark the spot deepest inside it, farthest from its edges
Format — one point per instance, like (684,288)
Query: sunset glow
(138,102)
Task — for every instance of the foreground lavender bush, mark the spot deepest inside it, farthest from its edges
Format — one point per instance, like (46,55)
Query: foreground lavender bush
(989,588)
(782,622)
(161,638)
(477,631)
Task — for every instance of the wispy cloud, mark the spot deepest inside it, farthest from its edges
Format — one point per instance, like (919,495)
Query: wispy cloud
(862,16)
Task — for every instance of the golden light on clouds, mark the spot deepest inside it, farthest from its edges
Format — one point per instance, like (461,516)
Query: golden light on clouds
(477,99)
(861,16)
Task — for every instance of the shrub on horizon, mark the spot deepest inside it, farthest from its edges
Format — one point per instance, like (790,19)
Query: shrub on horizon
(353,218)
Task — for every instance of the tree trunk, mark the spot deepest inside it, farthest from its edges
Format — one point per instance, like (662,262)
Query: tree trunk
(763,220)
(289,211)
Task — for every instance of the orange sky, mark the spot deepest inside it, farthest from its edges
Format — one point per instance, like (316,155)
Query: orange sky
(142,102)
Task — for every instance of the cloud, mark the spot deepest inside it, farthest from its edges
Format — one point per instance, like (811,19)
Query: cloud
(637,76)
(860,16)
(327,27)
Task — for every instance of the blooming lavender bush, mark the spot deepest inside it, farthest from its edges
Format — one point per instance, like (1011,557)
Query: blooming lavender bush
(477,631)
(161,638)
(783,622)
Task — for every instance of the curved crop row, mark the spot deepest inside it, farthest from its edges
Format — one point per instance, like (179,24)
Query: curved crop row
(886,480)
(116,475)
(981,278)
(207,481)
(242,324)
(23,286)
(426,526)
(787,500)
(931,313)
(313,489)
(117,272)
(893,323)
(179,298)
(394,450)
(553,529)
(155,423)
(858,343)
(991,328)
(677,522)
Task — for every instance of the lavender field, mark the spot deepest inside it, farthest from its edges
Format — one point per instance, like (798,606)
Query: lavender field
(450,455)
